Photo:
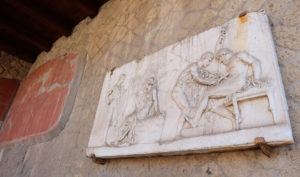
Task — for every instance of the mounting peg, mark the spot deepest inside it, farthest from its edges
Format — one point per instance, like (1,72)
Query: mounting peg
(98,160)
(264,147)
(243,14)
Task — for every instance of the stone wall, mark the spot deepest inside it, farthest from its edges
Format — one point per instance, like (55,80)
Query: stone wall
(127,30)
(12,67)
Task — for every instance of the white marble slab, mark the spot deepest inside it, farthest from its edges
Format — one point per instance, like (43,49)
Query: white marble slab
(215,91)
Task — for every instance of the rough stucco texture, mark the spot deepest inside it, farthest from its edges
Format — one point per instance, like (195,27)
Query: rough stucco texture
(40,99)
(128,30)
(12,67)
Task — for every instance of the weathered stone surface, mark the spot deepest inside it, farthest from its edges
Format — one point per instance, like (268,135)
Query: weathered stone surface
(48,159)
(292,16)
(276,8)
(265,173)
(265,162)
(162,37)
(230,8)
(294,112)
(190,19)
(205,22)
(291,168)
(197,5)
(295,92)
(291,73)
(216,4)
(152,14)
(284,55)
(287,37)
(12,67)
(253,5)
(179,5)
(240,167)
(210,169)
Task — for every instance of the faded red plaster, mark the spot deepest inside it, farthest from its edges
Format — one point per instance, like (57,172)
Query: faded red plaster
(8,88)
(40,100)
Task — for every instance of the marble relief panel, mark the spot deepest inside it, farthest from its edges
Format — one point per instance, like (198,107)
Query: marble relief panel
(217,90)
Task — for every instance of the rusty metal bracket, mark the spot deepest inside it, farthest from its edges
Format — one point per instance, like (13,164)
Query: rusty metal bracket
(98,160)
(243,14)
(243,17)
(264,147)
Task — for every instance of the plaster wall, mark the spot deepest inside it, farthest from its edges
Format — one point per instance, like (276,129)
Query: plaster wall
(127,30)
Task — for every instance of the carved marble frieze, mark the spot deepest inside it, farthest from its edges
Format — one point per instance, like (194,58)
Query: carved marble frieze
(217,90)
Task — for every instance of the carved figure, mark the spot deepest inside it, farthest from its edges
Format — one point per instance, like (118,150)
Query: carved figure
(115,92)
(215,85)
(148,100)
(238,80)
(147,107)
(190,89)
(113,99)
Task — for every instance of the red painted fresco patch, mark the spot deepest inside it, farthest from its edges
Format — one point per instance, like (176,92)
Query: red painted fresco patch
(8,88)
(40,99)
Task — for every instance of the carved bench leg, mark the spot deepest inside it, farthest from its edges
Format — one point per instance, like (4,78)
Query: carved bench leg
(272,107)
(236,112)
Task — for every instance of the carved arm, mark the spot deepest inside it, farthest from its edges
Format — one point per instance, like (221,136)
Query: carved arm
(109,97)
(251,60)
(200,79)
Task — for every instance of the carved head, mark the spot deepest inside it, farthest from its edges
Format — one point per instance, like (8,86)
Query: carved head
(150,84)
(121,78)
(224,55)
(151,81)
(206,58)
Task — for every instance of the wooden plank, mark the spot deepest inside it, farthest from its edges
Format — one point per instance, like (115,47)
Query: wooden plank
(14,46)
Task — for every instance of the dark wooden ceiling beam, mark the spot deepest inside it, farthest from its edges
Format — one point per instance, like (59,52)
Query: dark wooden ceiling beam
(25,24)
(82,8)
(51,13)
(28,27)
(37,43)
(72,9)
(58,7)
(39,18)
(93,4)
(29,31)
(15,46)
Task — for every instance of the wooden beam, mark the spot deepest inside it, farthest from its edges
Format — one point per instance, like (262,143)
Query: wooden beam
(28,27)
(18,5)
(34,42)
(23,22)
(51,13)
(74,10)
(21,49)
